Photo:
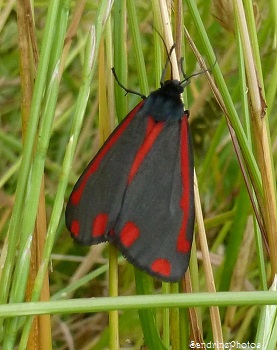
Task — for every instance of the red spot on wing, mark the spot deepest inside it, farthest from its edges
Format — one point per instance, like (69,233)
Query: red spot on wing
(99,225)
(75,228)
(77,194)
(152,132)
(129,234)
(161,266)
(183,244)
(111,232)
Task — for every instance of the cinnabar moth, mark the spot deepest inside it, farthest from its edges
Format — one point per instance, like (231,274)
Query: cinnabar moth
(137,192)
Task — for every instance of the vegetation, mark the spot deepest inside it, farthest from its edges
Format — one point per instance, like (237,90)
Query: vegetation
(59,102)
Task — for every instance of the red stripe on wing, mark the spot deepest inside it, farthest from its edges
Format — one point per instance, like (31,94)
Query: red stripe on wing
(77,194)
(152,132)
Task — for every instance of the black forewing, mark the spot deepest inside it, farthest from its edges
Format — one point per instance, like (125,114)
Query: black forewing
(99,193)
(152,204)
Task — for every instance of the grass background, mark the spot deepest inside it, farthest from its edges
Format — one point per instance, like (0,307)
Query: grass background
(59,102)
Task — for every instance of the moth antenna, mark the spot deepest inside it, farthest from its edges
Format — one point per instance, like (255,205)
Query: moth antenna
(168,58)
(185,82)
(166,65)
(128,91)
